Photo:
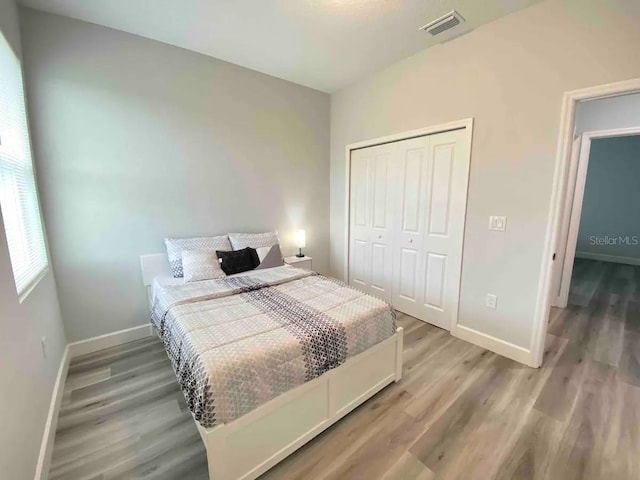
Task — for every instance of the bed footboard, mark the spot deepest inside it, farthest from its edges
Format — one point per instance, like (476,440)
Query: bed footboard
(247,447)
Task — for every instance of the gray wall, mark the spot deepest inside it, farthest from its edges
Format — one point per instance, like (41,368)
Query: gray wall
(610,207)
(510,75)
(138,140)
(26,375)
(608,113)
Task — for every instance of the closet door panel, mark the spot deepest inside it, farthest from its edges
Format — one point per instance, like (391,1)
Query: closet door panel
(360,221)
(436,272)
(382,226)
(407,277)
(440,189)
(360,270)
(382,223)
(446,204)
(359,194)
(380,164)
(371,223)
(378,266)
(412,165)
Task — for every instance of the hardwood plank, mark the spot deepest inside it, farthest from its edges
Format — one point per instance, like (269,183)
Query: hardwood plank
(442,390)
(620,457)
(379,453)
(608,345)
(531,455)
(629,370)
(408,467)
(70,447)
(560,391)
(124,416)
(435,363)
(569,322)
(581,448)
(585,281)
(439,447)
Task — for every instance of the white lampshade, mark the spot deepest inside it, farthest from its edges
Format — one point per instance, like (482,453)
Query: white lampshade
(300,238)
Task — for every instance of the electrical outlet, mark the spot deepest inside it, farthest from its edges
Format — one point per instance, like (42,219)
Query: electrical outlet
(498,223)
(492,301)
(43,343)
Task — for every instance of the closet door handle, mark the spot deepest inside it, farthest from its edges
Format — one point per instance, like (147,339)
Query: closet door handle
(411,240)
(379,237)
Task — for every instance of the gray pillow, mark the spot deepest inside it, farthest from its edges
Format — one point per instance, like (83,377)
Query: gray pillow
(269,257)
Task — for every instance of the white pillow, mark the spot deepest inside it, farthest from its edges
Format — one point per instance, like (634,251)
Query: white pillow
(198,265)
(266,244)
(175,247)
(253,240)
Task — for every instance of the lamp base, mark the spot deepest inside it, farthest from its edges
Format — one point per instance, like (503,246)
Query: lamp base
(300,254)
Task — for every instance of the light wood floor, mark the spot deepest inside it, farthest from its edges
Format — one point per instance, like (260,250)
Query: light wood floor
(460,412)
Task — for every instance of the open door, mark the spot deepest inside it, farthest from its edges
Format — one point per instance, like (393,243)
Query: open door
(560,297)
(566,252)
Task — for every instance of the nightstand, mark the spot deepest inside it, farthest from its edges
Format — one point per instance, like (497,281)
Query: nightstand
(299,262)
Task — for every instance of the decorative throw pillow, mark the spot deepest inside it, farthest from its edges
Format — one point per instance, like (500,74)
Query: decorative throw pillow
(239,260)
(269,257)
(266,244)
(198,265)
(175,247)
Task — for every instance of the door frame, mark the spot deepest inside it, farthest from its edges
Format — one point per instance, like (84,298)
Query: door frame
(558,195)
(466,124)
(571,222)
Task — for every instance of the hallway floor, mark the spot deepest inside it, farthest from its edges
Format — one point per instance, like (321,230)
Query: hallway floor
(603,316)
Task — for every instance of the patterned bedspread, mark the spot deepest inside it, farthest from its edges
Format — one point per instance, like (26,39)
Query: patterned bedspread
(238,342)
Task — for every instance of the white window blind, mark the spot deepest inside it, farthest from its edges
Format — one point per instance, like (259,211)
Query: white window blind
(18,194)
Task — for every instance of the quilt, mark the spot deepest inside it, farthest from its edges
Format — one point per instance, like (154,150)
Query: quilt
(237,342)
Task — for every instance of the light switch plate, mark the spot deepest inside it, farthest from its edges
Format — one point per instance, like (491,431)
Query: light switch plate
(498,223)
(492,301)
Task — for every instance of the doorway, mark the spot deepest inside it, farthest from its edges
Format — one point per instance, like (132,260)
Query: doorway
(599,322)
(575,143)
(600,222)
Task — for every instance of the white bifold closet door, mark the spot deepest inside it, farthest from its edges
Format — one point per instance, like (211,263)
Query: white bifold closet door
(408,248)
(371,209)
(434,176)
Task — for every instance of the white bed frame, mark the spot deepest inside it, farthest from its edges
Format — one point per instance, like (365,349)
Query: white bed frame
(250,445)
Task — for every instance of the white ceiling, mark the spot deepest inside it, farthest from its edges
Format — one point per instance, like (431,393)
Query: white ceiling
(323,44)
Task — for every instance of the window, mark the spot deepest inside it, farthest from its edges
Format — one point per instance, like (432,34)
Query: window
(18,194)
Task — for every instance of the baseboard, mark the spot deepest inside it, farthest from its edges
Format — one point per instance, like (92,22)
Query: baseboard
(94,344)
(501,347)
(603,257)
(46,447)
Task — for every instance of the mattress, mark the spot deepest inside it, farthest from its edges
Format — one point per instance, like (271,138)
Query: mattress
(237,342)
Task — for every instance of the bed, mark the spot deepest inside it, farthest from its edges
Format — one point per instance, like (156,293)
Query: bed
(268,359)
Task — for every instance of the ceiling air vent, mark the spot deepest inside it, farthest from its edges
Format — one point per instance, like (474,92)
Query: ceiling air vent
(443,23)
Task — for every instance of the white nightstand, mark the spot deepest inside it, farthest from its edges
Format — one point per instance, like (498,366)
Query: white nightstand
(299,262)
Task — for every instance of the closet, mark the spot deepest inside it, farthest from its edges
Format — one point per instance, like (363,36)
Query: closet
(407,202)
